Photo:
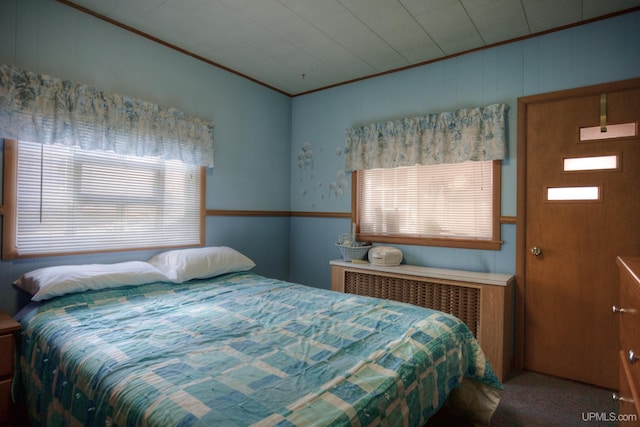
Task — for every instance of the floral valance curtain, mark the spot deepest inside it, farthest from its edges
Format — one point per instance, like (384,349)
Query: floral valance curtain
(451,137)
(40,108)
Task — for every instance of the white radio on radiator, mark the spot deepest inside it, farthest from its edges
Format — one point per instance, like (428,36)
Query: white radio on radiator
(387,256)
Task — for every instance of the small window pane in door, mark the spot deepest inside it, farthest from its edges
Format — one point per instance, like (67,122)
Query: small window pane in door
(577,164)
(613,131)
(565,194)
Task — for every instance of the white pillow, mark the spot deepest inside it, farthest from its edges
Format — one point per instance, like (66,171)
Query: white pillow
(49,282)
(182,265)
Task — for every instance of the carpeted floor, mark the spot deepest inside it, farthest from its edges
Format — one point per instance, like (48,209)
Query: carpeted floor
(535,400)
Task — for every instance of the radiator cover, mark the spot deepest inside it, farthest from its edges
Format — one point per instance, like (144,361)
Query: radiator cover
(461,301)
(484,301)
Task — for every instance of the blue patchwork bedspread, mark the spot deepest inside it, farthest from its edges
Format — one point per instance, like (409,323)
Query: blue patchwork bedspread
(241,350)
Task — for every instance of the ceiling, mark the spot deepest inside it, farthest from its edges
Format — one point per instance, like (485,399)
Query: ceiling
(298,46)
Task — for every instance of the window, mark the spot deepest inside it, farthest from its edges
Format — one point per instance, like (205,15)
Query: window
(456,205)
(64,200)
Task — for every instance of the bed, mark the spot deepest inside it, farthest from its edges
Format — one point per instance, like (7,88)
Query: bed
(239,349)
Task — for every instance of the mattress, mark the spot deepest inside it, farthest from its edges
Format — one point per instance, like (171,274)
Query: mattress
(245,350)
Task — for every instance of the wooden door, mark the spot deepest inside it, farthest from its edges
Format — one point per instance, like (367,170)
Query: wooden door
(571,281)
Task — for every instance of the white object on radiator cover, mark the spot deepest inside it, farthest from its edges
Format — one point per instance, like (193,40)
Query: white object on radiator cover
(387,256)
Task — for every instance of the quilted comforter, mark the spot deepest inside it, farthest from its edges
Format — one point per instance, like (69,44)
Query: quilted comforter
(243,350)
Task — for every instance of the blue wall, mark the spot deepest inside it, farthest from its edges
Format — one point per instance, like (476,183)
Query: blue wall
(600,52)
(252,124)
(278,153)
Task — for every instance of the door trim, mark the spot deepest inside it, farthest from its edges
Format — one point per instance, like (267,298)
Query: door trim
(521,201)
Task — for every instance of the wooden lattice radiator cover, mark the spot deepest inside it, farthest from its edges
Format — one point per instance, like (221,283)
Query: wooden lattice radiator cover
(461,301)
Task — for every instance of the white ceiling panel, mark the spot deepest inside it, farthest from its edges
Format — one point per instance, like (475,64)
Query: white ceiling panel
(489,17)
(132,9)
(545,15)
(97,6)
(421,7)
(189,6)
(391,22)
(595,8)
(451,28)
(333,55)
(298,46)
(352,34)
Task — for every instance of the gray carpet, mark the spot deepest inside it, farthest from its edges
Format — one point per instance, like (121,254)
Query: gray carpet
(535,400)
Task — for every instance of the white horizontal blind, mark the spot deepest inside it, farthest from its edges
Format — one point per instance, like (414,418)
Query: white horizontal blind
(73,200)
(444,200)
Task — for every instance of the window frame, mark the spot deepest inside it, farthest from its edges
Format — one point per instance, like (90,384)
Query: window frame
(10,204)
(495,243)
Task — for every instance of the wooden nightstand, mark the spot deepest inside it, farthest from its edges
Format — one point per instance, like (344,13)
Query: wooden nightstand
(8,327)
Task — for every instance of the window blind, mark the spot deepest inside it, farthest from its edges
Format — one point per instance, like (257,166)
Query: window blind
(445,200)
(74,200)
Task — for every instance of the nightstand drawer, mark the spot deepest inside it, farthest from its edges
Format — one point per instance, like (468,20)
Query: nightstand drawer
(6,355)
(627,403)
(6,404)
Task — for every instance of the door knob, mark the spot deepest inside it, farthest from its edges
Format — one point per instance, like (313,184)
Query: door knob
(536,251)
(619,398)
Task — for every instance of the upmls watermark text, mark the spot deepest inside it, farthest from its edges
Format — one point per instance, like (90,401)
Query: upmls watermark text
(608,416)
